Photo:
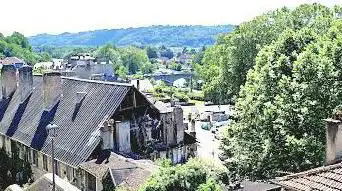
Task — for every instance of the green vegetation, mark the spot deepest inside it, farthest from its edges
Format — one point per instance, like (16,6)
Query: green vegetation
(12,168)
(18,45)
(175,66)
(195,175)
(151,52)
(165,52)
(225,65)
(165,93)
(284,67)
(170,36)
(126,61)
(63,52)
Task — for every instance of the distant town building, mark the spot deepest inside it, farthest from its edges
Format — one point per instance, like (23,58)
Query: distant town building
(184,59)
(12,61)
(83,59)
(95,119)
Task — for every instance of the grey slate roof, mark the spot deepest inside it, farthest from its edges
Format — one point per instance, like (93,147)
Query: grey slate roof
(258,186)
(125,172)
(45,183)
(321,178)
(11,60)
(78,132)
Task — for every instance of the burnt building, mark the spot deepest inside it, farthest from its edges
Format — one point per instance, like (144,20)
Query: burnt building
(95,119)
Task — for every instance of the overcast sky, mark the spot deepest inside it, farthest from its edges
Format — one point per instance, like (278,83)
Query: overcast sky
(56,16)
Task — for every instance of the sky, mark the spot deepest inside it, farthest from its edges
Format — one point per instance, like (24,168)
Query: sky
(32,17)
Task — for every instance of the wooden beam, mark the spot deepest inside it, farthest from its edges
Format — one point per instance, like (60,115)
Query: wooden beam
(132,107)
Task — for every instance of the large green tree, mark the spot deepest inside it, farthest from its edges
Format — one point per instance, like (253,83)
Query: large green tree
(292,87)
(18,45)
(135,59)
(196,174)
(235,52)
(151,52)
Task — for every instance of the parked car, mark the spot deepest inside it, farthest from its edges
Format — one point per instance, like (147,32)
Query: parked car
(220,120)
(206,126)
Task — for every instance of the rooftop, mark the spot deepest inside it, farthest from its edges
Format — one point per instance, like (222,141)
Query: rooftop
(11,60)
(321,178)
(127,172)
(45,183)
(257,186)
(78,133)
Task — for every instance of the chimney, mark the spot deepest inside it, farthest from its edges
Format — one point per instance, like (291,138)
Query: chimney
(107,135)
(333,130)
(52,89)
(9,80)
(25,82)
(179,123)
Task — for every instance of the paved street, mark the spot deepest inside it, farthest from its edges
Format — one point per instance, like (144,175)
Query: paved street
(208,146)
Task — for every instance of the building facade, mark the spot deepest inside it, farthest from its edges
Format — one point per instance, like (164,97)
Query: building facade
(94,118)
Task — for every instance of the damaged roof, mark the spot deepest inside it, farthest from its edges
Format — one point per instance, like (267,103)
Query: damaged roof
(125,172)
(326,178)
(78,133)
(45,183)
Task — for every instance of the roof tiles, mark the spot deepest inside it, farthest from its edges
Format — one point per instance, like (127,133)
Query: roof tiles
(327,178)
(78,132)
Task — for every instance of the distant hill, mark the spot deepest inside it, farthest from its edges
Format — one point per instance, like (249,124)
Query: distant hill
(176,36)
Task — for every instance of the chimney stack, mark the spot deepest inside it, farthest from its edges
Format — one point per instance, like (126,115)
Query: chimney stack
(179,123)
(333,130)
(25,82)
(52,89)
(107,134)
(9,80)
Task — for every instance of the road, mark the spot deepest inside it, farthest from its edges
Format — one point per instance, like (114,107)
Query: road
(208,146)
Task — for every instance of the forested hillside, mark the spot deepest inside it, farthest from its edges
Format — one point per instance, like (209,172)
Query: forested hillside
(176,36)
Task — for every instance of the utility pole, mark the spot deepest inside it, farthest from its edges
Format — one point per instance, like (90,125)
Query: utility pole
(51,129)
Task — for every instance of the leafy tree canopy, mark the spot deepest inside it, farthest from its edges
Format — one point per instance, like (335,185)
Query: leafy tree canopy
(196,174)
(235,53)
(291,88)
(18,45)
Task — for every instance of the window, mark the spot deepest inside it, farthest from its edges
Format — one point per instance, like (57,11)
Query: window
(27,154)
(35,157)
(45,163)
